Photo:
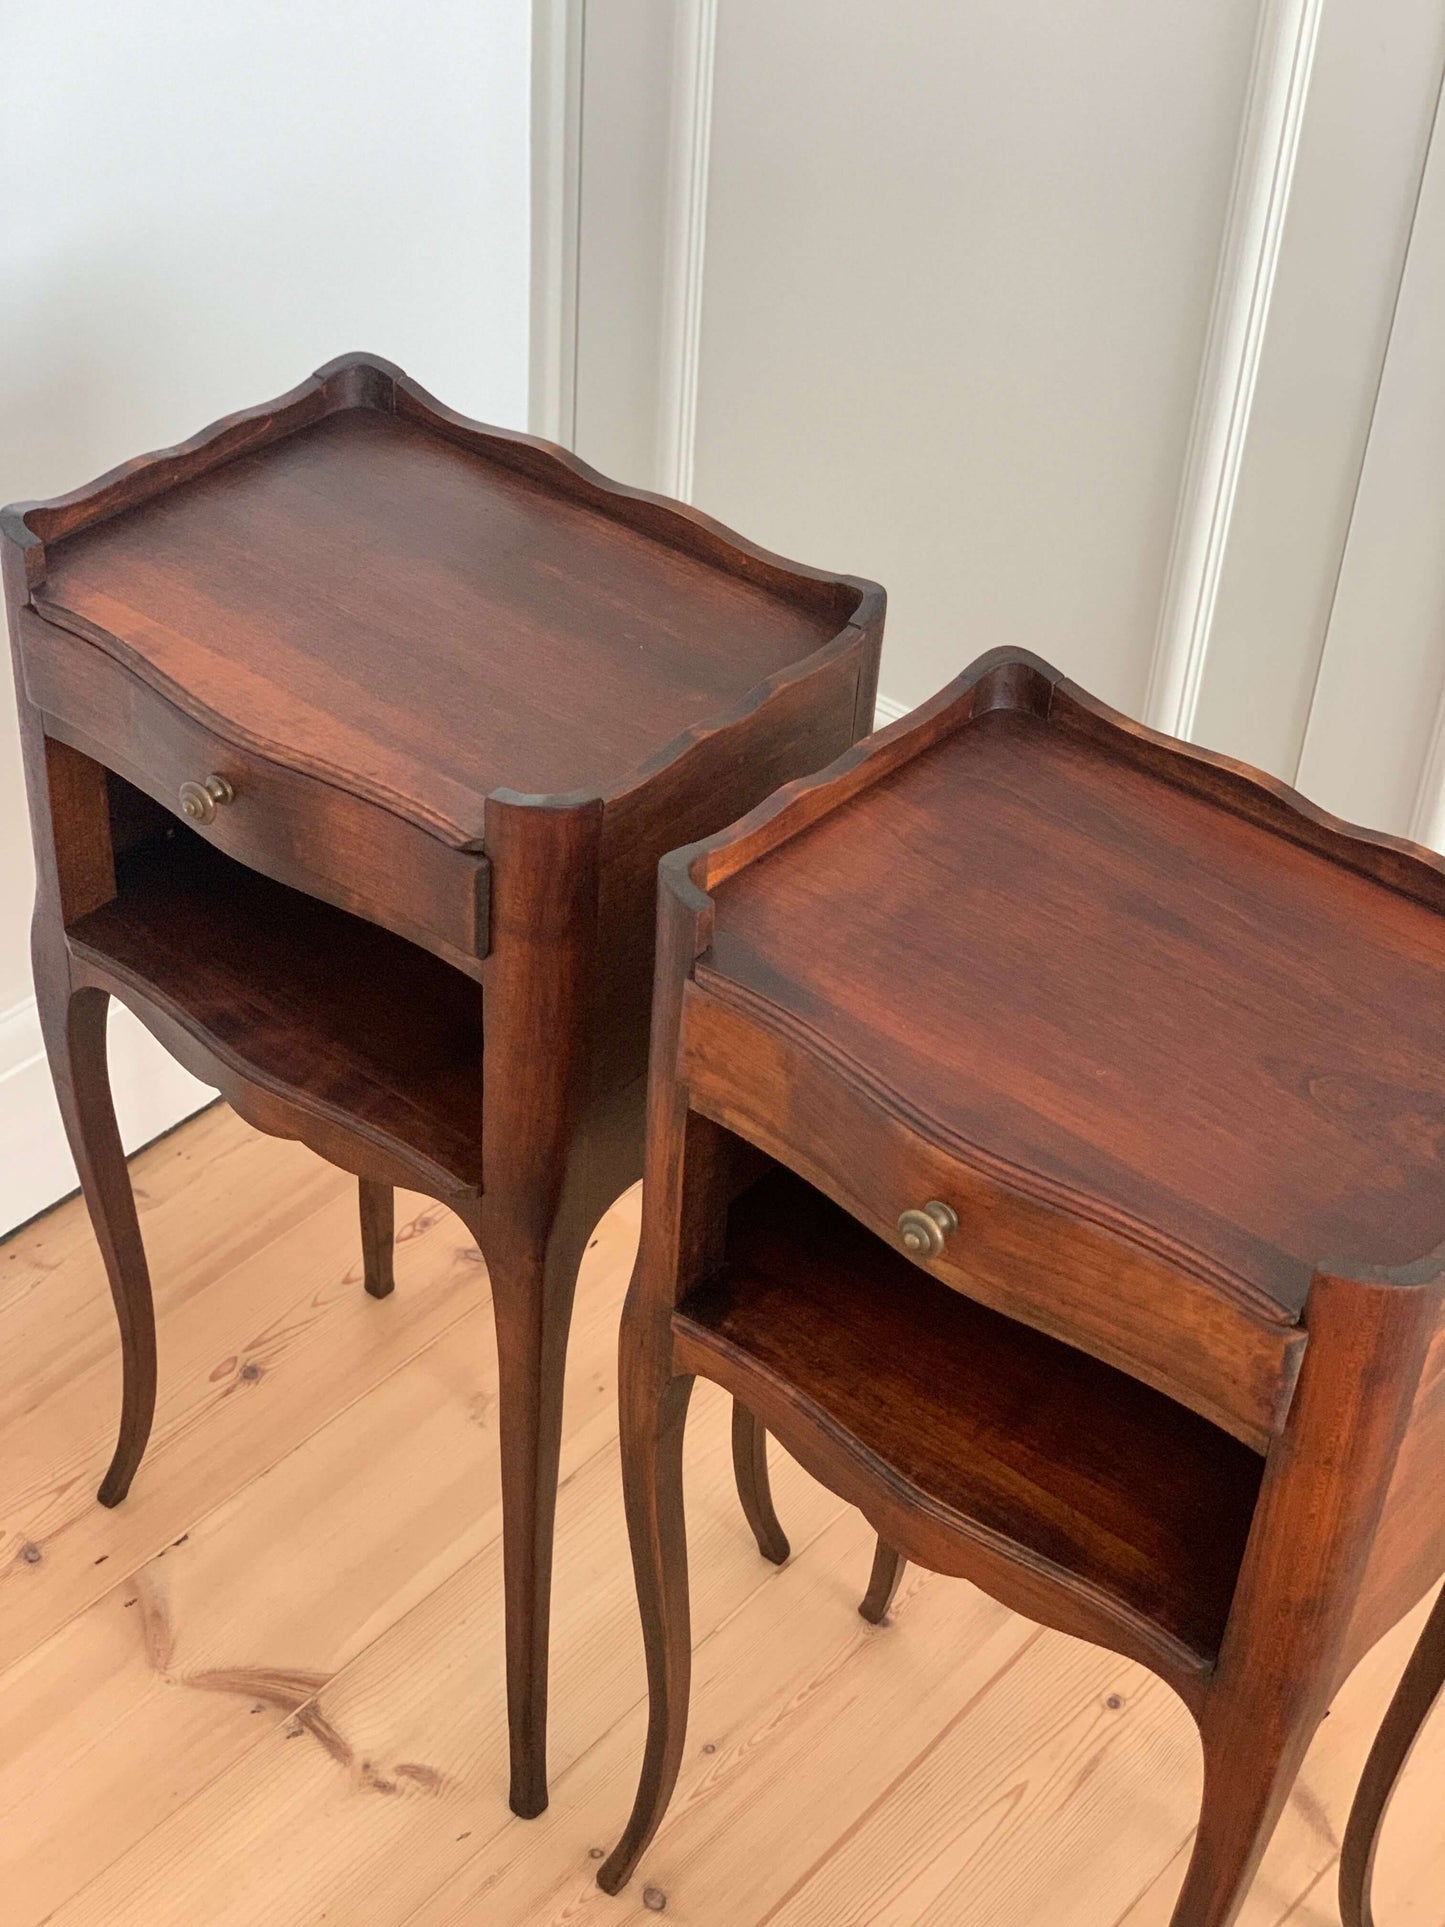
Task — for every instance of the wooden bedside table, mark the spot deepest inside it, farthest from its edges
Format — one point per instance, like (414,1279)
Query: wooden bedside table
(1046,1141)
(353,733)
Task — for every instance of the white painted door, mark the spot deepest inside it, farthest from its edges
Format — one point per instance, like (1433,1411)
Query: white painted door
(1067,323)
(1374,749)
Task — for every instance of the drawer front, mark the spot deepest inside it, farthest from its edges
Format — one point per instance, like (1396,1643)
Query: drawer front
(293,828)
(1076,1280)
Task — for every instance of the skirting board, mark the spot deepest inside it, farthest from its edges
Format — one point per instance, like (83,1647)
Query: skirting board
(152,1093)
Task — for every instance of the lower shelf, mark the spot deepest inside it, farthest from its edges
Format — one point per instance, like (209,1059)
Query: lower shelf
(338,1015)
(1062,1456)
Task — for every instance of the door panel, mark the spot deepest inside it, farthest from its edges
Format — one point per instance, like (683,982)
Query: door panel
(1375,750)
(925,291)
(958,276)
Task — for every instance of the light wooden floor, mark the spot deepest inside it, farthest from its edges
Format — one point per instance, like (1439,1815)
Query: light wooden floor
(268,1689)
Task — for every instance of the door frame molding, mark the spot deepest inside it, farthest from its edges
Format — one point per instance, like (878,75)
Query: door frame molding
(1213,522)
(559,52)
(694,53)
(1274,114)
(1427,818)
(1275,104)
(558,45)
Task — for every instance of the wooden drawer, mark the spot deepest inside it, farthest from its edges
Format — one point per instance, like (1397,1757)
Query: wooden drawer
(294,828)
(1080,1281)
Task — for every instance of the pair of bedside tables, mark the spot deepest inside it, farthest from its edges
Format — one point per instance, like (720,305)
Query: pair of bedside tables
(1012,1083)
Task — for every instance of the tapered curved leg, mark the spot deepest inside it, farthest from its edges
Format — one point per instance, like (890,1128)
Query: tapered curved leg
(1245,1789)
(378,1236)
(1420,1687)
(887,1571)
(74,1023)
(652,1431)
(750,1468)
(532,1302)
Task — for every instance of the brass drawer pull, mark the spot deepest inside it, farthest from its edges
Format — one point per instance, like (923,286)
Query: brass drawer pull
(924,1232)
(199,800)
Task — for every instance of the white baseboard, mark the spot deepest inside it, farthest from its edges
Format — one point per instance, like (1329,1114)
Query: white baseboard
(152,1093)
(886,710)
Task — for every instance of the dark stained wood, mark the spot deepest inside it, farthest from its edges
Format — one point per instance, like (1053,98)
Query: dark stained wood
(883,1582)
(681,1238)
(333,1013)
(525,600)
(1098,993)
(1098,1288)
(1283,1656)
(539,1206)
(291,827)
(378,1237)
(74,1027)
(465,692)
(1409,1548)
(1420,1688)
(750,1467)
(1090,947)
(992,1427)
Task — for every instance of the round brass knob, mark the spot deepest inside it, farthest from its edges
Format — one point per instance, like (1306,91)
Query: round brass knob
(199,800)
(922,1233)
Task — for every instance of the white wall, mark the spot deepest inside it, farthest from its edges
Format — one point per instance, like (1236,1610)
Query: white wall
(205,199)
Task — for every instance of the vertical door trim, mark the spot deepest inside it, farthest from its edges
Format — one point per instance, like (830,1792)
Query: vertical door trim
(558,31)
(1427,823)
(1427,819)
(1386,607)
(1264,173)
(694,53)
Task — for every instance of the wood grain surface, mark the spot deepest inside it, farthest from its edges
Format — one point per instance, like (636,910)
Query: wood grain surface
(1125,990)
(344,639)
(285,591)
(270,1686)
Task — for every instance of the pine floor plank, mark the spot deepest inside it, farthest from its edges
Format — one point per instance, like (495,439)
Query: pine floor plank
(251,1363)
(173,1180)
(1003,1818)
(356,1807)
(265,1600)
(1411,1877)
(1296,1882)
(786,1749)
(269,1687)
(54,1301)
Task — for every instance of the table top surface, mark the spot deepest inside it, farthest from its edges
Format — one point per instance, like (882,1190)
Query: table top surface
(372,600)
(1118,990)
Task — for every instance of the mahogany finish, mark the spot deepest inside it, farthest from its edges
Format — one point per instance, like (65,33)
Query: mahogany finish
(353,733)
(1419,1690)
(883,1583)
(750,1468)
(310,834)
(1045,1142)
(1034,1443)
(378,1237)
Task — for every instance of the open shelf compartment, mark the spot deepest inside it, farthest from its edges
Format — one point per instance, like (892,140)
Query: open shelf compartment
(318,1006)
(1062,1456)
